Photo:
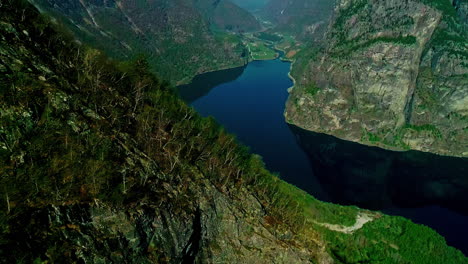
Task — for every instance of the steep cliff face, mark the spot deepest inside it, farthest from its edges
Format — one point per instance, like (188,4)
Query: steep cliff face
(100,162)
(213,228)
(175,34)
(392,74)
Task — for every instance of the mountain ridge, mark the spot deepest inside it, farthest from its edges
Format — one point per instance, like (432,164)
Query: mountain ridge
(176,34)
(101,162)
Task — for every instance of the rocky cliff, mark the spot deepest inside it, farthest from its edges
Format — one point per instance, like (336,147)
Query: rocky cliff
(101,163)
(392,74)
(177,34)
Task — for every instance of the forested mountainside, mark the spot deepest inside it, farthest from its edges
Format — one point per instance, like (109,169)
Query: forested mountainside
(100,162)
(225,15)
(180,38)
(305,19)
(392,74)
(251,5)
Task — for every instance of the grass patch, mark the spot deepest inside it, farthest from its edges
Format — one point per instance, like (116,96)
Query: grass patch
(316,210)
(389,240)
(268,36)
(260,51)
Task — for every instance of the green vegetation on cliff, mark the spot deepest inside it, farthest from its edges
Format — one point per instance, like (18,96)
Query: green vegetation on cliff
(178,38)
(100,162)
(225,15)
(371,245)
(387,72)
(347,48)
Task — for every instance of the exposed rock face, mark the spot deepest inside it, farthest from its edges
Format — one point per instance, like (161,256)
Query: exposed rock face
(393,74)
(216,230)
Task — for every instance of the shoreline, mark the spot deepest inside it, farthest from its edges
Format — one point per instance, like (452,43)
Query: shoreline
(235,66)
(379,145)
(292,61)
(291,77)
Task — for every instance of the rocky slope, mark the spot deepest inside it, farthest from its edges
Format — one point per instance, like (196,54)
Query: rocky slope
(100,162)
(392,74)
(177,34)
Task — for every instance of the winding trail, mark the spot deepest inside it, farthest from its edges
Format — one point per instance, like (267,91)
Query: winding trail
(361,220)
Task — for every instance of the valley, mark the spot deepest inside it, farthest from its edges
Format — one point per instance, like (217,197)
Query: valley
(233,131)
(180,39)
(263,45)
(250,103)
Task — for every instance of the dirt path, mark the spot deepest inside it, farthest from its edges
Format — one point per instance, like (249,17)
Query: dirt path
(361,220)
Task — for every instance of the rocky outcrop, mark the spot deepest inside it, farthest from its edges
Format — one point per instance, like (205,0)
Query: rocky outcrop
(393,74)
(215,230)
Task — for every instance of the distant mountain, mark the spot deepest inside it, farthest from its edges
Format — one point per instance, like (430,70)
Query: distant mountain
(391,73)
(251,5)
(177,36)
(226,15)
(305,19)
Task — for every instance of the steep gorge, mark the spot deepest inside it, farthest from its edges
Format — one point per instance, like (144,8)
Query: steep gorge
(100,162)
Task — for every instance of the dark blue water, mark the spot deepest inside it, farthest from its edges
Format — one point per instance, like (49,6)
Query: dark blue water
(251,107)
(250,102)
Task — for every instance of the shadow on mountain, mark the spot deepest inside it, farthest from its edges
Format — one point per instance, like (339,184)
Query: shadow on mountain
(202,84)
(374,178)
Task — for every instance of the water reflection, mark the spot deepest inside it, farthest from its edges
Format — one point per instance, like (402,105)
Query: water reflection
(207,81)
(249,102)
(426,188)
(375,178)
